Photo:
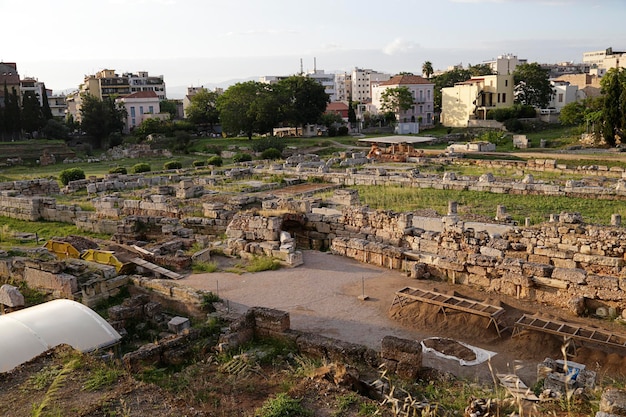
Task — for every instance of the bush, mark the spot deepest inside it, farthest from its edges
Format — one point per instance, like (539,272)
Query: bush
(71,174)
(172,165)
(242,157)
(271,153)
(213,149)
(141,167)
(332,131)
(260,145)
(118,170)
(198,163)
(342,131)
(215,161)
(514,125)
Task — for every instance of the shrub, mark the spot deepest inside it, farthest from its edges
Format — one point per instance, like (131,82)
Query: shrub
(71,174)
(198,163)
(141,167)
(271,153)
(260,145)
(172,165)
(342,131)
(213,149)
(514,125)
(215,161)
(118,170)
(242,157)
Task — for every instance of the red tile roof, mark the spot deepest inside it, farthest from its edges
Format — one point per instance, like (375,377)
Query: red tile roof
(336,106)
(406,80)
(142,94)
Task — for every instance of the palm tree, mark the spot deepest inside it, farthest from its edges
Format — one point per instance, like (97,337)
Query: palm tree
(427,69)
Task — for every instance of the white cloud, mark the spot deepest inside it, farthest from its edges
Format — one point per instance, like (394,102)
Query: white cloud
(399,45)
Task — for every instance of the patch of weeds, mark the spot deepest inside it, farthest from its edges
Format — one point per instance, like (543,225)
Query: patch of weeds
(262,263)
(368,409)
(102,308)
(41,379)
(199,267)
(282,406)
(344,402)
(102,377)
(208,298)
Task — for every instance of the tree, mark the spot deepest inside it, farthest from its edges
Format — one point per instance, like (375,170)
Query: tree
(532,85)
(32,114)
(100,118)
(239,106)
(351,112)
(427,69)
(55,130)
(573,114)
(396,100)
(303,100)
(45,106)
(479,70)
(613,85)
(448,79)
(202,109)
(169,106)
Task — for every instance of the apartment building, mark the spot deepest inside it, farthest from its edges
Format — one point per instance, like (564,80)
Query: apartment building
(9,77)
(564,93)
(422,90)
(505,64)
(57,104)
(34,86)
(141,106)
(362,82)
(601,61)
(472,99)
(107,83)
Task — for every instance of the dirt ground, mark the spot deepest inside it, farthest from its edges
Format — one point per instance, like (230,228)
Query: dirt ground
(325,296)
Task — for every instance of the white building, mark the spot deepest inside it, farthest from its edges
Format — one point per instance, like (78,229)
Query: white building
(139,107)
(422,91)
(141,81)
(505,64)
(601,61)
(32,85)
(362,82)
(326,80)
(564,93)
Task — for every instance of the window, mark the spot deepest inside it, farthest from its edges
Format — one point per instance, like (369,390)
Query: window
(560,97)
(151,109)
(506,83)
(498,97)
(140,109)
(132,112)
(504,97)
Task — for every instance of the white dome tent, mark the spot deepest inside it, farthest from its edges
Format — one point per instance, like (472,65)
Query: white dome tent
(27,333)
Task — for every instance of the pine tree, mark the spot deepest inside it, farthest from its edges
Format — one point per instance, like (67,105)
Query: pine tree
(45,107)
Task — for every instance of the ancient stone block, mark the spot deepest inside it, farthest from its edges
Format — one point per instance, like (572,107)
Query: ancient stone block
(574,275)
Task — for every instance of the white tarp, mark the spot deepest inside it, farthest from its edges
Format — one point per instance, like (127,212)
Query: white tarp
(27,333)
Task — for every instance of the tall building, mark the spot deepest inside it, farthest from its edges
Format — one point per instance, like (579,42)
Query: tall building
(32,85)
(601,61)
(362,80)
(106,83)
(10,77)
(505,64)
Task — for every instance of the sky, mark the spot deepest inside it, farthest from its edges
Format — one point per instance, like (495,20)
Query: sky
(212,42)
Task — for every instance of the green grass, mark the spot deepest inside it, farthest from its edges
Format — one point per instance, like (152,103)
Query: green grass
(102,377)
(536,207)
(262,263)
(44,230)
(199,267)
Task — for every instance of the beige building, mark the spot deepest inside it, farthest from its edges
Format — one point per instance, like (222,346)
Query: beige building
(472,99)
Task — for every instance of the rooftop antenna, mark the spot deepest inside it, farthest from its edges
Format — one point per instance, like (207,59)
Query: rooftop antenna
(315,65)
(301,68)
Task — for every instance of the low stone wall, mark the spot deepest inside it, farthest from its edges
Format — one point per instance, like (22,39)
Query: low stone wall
(171,295)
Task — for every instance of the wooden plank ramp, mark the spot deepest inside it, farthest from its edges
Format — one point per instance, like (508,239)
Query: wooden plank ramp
(156,269)
(569,331)
(408,295)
